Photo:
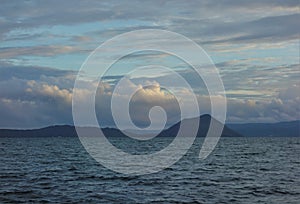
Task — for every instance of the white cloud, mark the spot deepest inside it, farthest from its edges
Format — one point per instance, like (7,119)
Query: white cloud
(283,107)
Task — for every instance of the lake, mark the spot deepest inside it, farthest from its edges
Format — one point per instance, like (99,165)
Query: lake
(240,170)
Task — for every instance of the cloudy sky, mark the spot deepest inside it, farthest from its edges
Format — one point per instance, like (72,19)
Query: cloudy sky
(254,44)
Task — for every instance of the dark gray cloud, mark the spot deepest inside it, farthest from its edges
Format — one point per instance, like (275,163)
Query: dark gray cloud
(34,96)
(268,29)
(33,104)
(283,107)
(10,71)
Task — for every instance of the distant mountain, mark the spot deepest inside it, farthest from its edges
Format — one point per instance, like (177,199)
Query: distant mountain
(281,129)
(204,122)
(56,131)
(51,131)
(69,131)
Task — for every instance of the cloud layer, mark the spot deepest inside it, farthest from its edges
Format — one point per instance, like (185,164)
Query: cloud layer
(28,101)
(254,44)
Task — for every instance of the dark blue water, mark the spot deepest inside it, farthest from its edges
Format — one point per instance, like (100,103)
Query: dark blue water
(240,170)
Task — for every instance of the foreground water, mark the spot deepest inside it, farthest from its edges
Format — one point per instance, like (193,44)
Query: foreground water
(240,170)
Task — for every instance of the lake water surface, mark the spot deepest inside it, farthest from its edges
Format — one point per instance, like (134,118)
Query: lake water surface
(240,170)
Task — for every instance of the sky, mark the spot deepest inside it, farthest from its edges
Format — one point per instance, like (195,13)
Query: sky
(254,45)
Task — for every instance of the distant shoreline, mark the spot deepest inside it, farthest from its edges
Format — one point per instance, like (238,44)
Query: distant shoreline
(281,129)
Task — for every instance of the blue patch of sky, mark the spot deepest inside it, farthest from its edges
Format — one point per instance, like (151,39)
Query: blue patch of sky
(286,54)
